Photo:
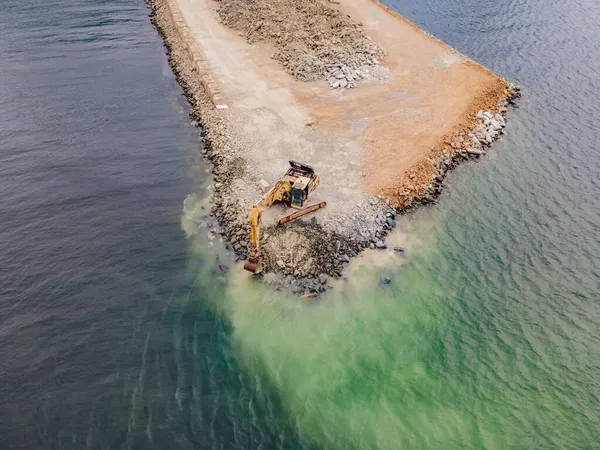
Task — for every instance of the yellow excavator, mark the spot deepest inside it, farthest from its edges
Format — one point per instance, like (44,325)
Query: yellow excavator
(294,190)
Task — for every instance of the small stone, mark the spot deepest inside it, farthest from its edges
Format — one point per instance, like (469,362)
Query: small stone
(385,282)
(380,245)
(399,249)
(495,125)
(264,186)
(344,258)
(310,298)
(475,152)
(323,279)
(343,83)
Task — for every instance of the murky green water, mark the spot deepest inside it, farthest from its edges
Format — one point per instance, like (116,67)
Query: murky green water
(476,343)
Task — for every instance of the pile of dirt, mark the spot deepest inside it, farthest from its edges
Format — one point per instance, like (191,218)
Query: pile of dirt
(309,35)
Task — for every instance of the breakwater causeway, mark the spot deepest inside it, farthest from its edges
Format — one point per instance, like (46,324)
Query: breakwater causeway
(119,330)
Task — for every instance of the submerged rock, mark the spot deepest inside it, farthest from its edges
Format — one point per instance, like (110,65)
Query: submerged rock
(380,245)
(385,282)
(310,298)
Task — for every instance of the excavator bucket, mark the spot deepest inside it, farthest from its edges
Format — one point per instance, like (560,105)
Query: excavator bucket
(253,266)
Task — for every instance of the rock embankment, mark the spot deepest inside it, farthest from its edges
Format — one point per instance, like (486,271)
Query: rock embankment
(423,184)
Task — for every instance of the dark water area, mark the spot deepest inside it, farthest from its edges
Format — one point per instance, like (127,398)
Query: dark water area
(115,331)
(95,152)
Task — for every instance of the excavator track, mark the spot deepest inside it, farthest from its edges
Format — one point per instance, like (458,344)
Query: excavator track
(287,218)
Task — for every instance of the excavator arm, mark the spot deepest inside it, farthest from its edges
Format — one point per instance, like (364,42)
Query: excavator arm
(252,264)
(275,194)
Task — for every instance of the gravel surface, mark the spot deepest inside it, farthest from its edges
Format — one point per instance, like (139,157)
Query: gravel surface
(309,35)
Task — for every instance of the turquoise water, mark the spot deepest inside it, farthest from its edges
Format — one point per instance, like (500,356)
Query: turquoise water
(119,331)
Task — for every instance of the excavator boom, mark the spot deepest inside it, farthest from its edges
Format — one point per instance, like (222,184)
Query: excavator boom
(252,264)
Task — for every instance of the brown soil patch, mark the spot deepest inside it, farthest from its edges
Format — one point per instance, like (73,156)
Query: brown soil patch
(433,94)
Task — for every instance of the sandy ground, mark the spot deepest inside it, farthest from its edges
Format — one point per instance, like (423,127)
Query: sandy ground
(273,119)
(360,140)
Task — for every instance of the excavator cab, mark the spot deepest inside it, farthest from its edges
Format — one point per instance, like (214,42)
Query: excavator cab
(303,181)
(298,193)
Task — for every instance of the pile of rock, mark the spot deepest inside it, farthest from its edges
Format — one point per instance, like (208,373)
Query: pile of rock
(341,76)
(489,129)
(306,34)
